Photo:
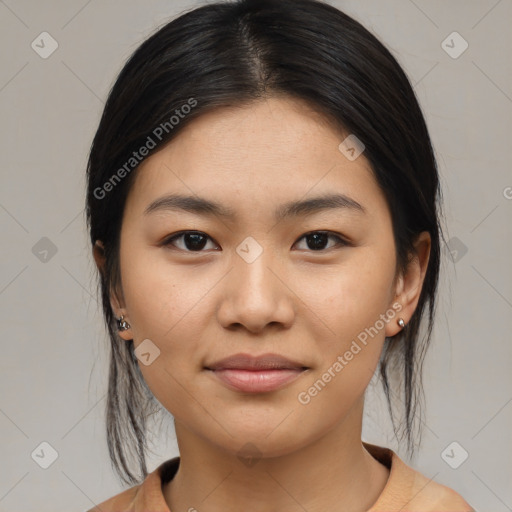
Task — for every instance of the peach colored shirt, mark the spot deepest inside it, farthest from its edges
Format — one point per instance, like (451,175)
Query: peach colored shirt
(406,490)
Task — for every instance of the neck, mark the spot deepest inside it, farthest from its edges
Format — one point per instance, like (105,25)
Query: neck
(334,472)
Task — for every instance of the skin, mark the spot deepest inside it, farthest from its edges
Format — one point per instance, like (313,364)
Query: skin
(305,304)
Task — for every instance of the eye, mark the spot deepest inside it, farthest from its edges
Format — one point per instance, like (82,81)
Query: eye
(196,241)
(192,241)
(316,240)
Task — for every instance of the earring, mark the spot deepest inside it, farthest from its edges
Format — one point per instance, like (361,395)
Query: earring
(122,324)
(401,322)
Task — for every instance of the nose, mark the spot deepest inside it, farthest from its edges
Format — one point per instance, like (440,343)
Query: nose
(256,295)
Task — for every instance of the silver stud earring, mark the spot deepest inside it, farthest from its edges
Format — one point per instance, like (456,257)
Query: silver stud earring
(401,322)
(122,324)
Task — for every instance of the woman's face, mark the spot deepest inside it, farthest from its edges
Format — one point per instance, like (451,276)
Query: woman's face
(253,283)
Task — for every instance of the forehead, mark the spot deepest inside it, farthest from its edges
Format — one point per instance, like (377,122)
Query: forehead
(264,153)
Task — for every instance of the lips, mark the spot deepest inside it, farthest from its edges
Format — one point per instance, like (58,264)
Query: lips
(249,374)
(262,362)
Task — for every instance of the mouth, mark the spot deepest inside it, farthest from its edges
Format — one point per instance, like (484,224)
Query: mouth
(249,374)
(257,381)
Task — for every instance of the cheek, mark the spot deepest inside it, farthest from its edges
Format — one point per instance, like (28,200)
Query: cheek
(355,294)
(352,306)
(165,307)
(352,302)
(159,296)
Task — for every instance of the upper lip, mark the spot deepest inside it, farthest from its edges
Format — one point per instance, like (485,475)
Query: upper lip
(261,362)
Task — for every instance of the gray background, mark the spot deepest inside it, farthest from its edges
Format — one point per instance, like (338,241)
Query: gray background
(54,364)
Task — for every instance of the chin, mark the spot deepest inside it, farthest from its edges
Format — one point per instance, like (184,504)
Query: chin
(267,439)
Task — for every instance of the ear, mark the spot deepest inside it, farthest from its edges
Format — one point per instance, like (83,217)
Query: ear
(409,284)
(98,252)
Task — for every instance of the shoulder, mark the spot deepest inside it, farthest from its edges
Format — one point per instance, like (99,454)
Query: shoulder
(430,496)
(145,496)
(122,502)
(411,491)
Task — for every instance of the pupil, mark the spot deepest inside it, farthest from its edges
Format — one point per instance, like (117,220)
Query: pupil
(193,241)
(319,240)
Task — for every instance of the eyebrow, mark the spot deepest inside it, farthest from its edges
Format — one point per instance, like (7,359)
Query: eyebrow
(201,206)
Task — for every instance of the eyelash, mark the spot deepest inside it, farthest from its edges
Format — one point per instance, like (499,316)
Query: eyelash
(341,242)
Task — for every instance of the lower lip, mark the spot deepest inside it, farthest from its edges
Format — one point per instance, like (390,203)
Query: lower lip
(257,381)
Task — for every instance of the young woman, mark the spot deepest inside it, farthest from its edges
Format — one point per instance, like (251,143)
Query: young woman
(263,208)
